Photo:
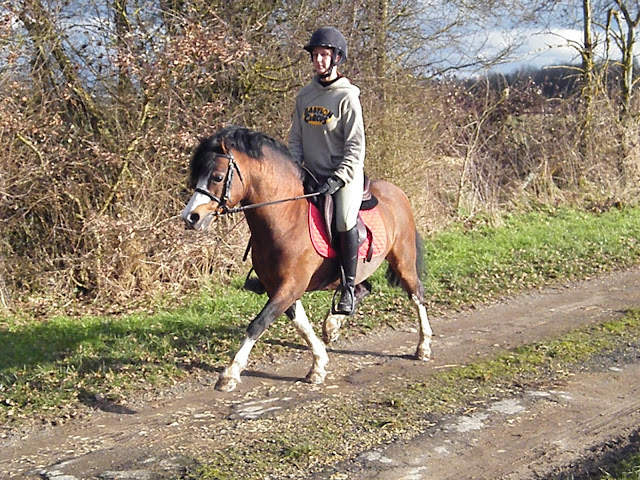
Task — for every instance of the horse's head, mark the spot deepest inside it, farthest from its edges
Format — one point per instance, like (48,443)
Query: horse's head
(212,171)
(238,153)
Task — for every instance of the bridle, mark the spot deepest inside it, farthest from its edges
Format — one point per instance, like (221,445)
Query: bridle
(224,209)
(228,179)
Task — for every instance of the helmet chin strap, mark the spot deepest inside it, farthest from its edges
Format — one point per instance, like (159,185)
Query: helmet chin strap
(328,74)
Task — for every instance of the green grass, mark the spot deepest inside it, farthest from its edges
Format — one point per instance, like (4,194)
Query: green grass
(48,367)
(44,365)
(529,250)
(628,469)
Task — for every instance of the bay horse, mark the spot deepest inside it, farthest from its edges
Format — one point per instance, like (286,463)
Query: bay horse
(238,169)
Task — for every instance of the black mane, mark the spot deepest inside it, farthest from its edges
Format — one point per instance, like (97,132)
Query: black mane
(249,142)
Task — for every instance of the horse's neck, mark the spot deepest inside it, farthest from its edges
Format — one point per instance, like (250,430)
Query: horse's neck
(267,185)
(270,182)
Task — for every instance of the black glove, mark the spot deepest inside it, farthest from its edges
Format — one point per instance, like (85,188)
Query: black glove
(332,185)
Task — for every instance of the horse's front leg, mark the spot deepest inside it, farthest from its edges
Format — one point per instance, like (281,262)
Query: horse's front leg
(320,358)
(230,377)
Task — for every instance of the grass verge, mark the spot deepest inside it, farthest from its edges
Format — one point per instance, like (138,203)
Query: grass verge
(48,369)
(628,469)
(525,251)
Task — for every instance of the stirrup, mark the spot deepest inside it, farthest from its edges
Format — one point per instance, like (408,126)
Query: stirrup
(337,309)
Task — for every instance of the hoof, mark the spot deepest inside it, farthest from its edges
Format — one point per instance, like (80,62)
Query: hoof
(315,378)
(226,384)
(331,329)
(423,355)
(330,337)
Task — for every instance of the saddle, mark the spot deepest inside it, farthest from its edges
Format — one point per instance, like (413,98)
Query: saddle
(324,203)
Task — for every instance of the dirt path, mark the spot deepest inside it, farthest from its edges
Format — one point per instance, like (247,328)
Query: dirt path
(531,436)
(526,437)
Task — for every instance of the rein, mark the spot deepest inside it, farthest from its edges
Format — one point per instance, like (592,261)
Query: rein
(264,204)
(224,209)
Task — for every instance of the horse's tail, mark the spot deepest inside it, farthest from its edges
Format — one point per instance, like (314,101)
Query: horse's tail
(392,277)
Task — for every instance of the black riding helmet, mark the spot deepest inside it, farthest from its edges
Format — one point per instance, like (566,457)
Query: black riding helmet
(329,37)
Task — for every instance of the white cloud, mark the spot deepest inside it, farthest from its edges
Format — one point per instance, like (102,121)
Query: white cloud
(537,49)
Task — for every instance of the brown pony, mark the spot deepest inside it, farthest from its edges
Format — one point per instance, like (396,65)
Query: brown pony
(243,170)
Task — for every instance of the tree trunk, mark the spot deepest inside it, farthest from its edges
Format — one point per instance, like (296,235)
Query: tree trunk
(628,163)
(589,86)
(381,46)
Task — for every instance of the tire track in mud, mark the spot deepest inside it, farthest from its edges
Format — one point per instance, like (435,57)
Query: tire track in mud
(157,439)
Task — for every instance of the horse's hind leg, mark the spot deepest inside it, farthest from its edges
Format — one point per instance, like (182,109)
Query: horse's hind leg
(406,274)
(423,352)
(320,358)
(331,327)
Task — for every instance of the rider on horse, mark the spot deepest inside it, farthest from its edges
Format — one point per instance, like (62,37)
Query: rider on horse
(327,138)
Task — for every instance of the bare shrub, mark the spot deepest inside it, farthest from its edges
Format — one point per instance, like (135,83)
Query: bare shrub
(522,146)
(407,139)
(90,212)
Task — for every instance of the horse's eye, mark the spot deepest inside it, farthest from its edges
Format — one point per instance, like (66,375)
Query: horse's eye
(217,177)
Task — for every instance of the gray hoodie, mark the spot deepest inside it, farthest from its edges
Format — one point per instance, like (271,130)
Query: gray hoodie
(327,132)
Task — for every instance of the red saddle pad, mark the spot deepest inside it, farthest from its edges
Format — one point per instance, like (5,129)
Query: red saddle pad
(371,218)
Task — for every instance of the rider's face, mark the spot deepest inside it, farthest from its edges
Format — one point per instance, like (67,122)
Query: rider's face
(321,57)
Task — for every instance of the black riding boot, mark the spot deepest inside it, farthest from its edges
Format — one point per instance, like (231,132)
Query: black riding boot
(349,263)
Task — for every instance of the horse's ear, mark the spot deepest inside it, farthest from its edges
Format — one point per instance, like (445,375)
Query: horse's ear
(226,144)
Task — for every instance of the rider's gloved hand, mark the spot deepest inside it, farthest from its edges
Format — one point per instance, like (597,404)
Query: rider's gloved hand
(331,186)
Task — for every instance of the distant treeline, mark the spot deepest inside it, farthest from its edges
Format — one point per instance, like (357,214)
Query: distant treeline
(558,81)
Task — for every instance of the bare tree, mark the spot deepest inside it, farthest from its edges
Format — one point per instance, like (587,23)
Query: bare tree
(627,19)
(622,23)
(588,78)
(588,55)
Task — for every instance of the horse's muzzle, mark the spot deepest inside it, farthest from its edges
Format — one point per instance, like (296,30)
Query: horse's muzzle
(199,218)
(191,220)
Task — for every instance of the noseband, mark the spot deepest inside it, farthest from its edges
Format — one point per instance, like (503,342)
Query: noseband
(228,179)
